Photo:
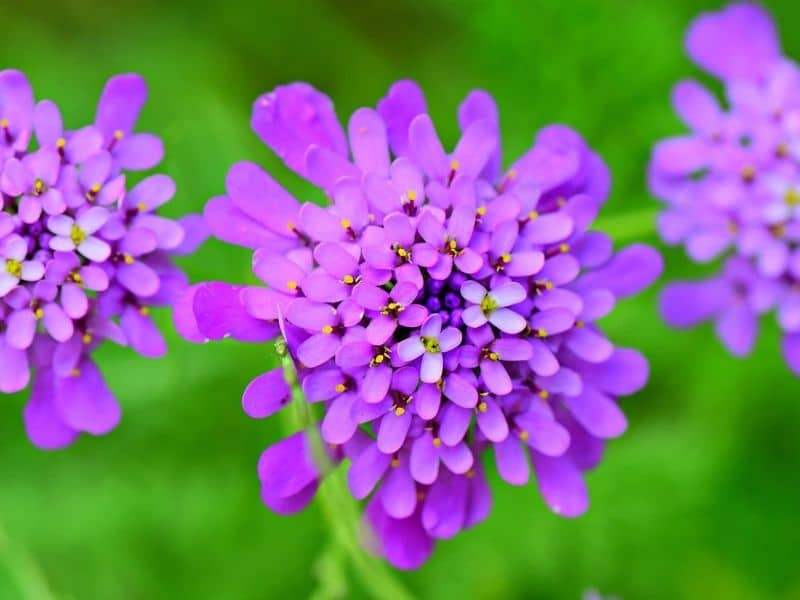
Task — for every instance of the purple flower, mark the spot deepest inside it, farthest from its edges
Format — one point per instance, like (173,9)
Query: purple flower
(437,308)
(82,259)
(732,185)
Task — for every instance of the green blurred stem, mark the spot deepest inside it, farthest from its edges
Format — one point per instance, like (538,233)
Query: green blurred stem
(23,568)
(628,226)
(341,512)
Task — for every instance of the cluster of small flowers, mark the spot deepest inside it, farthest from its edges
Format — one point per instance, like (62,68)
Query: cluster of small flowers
(732,185)
(81,257)
(437,309)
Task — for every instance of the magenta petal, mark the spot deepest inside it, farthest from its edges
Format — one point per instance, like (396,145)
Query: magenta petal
(14,373)
(512,461)
(424,459)
(684,304)
(403,102)
(266,394)
(338,426)
(561,485)
(598,413)
(261,198)
(445,506)
(139,151)
(368,141)
(392,431)
(219,312)
(399,493)
(426,149)
(366,470)
(318,349)
(120,103)
(737,328)
(142,334)
(43,423)
(403,542)
(84,401)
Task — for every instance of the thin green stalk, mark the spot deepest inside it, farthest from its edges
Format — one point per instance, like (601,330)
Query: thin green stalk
(340,510)
(29,577)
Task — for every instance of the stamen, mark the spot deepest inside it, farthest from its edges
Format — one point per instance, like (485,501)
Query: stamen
(14,267)
(127,259)
(87,338)
(483,407)
(144,311)
(77,235)
(327,330)
(431,344)
(544,394)
(292,285)
(437,442)
(748,174)
(341,387)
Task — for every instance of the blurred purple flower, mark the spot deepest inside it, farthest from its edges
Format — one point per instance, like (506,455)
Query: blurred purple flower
(732,185)
(82,259)
(437,308)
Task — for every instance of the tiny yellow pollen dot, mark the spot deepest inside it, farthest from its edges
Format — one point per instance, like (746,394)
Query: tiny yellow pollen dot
(87,338)
(541,332)
(412,195)
(402,252)
(544,394)
(481,210)
(523,435)
(340,387)
(61,142)
(470,474)
(75,373)
(38,313)
(564,248)
(4,123)
(533,215)
(395,462)
(327,330)
(144,310)
(348,279)
(506,258)
(128,259)
(141,207)
(494,356)
(345,224)
(792,197)
(548,285)
(579,323)
(371,218)
(118,134)
(748,173)
(454,165)
(379,359)
(437,442)
(95,188)
(483,407)
(512,173)
(290,226)
(292,285)
(399,411)
(452,244)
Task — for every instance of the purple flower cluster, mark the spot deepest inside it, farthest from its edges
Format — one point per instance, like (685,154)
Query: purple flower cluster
(82,258)
(732,184)
(438,308)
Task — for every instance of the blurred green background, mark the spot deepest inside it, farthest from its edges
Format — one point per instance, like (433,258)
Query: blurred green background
(698,500)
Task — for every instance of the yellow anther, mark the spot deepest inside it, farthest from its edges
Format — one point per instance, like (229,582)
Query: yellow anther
(782,151)
(483,407)
(345,223)
(506,258)
(431,344)
(144,311)
(548,285)
(732,227)
(512,174)
(291,284)
(290,226)
(75,372)
(533,215)
(402,252)
(118,134)
(523,435)
(564,248)
(60,143)
(494,356)
(395,462)
(340,387)
(379,359)
(348,279)
(38,187)
(76,278)
(95,189)
(127,259)
(399,411)
(77,235)
(470,474)
(87,338)
(454,165)
(748,174)
(437,442)
(579,323)
(327,330)
(792,197)
(411,195)
(141,207)
(3,123)
(778,231)
(544,394)
(480,211)
(452,244)
(14,267)
(38,313)
(541,332)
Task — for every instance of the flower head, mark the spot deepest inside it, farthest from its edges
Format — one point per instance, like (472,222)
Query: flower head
(732,184)
(437,308)
(82,258)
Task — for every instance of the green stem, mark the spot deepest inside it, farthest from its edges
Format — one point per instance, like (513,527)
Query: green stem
(29,577)
(340,511)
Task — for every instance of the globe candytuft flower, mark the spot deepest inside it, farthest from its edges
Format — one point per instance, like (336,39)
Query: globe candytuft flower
(83,256)
(439,309)
(732,185)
